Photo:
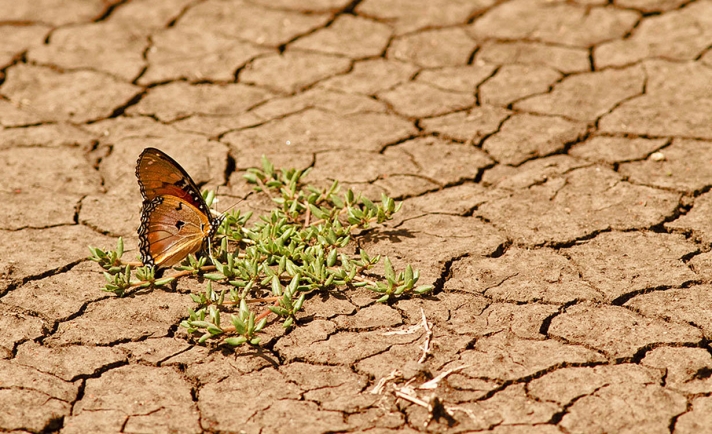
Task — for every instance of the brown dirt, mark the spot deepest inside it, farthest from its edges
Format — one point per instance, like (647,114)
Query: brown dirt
(555,163)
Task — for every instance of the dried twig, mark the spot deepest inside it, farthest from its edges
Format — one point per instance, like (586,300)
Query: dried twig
(264,188)
(409,331)
(435,407)
(411,398)
(378,388)
(415,328)
(307,216)
(428,336)
(433,384)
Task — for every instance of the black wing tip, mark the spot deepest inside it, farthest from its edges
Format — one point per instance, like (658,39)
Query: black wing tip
(151,149)
(146,151)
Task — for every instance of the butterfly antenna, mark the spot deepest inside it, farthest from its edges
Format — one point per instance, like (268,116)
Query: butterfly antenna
(214,204)
(215,201)
(232,206)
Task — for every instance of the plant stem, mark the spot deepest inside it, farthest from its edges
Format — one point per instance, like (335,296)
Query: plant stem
(264,188)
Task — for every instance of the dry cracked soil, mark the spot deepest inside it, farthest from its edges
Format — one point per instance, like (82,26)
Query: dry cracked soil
(554,159)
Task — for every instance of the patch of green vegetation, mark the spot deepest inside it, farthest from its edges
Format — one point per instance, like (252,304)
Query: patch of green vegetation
(300,247)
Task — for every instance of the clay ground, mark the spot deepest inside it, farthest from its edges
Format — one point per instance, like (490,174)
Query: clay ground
(554,160)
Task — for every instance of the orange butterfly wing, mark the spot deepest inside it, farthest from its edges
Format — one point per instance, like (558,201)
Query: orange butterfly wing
(160,175)
(175,220)
(171,229)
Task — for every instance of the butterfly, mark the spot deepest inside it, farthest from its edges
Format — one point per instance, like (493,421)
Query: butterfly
(175,220)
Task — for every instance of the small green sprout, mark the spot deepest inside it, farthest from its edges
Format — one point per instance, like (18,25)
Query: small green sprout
(110,260)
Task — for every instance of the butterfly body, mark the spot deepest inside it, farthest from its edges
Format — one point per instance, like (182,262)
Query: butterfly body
(175,220)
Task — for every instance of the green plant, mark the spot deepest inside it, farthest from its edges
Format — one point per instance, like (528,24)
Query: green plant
(298,248)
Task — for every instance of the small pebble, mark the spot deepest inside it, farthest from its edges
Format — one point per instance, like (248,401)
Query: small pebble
(657,156)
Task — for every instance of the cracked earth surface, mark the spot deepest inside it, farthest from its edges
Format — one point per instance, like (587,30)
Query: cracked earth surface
(555,163)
